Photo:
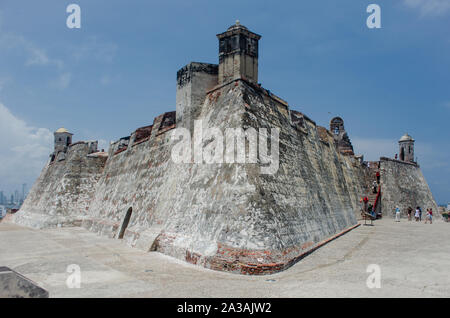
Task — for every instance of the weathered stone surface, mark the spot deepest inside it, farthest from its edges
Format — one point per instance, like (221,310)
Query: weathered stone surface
(15,285)
(62,193)
(403,185)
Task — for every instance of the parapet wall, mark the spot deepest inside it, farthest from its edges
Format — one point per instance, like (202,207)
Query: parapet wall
(403,185)
(62,194)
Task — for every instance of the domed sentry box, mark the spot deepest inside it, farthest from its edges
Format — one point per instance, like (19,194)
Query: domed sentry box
(15,285)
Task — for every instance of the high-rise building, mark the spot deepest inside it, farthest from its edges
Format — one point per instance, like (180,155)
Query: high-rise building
(24,186)
(16,197)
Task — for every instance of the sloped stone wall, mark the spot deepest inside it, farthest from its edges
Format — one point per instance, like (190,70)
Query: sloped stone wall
(63,192)
(136,178)
(404,185)
(234,216)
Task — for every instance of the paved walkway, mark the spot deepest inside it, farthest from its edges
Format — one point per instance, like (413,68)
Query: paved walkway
(414,259)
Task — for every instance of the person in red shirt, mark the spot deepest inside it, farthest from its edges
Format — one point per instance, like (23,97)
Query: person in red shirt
(378,177)
(365,200)
(429,216)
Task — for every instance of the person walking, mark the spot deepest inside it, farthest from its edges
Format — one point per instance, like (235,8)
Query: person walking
(429,216)
(420,213)
(397,214)
(378,177)
(374,185)
(409,213)
(417,214)
(365,200)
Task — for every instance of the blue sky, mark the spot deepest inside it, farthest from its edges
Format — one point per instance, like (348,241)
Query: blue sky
(118,71)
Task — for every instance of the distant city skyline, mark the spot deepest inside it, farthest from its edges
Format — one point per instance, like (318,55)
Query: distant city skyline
(13,197)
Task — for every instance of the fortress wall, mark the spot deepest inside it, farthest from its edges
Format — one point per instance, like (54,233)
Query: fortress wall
(311,194)
(62,193)
(135,178)
(188,204)
(221,216)
(403,185)
(231,217)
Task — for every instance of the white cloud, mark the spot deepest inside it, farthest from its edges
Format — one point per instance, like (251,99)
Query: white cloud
(23,150)
(93,48)
(37,56)
(429,7)
(34,54)
(63,81)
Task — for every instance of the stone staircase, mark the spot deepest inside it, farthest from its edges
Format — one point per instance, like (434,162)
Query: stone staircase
(374,198)
(370,177)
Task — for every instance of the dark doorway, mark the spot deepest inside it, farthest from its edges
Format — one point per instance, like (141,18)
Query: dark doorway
(126,220)
(402,154)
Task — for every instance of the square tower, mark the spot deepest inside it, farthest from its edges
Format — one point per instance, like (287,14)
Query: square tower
(193,81)
(63,138)
(238,54)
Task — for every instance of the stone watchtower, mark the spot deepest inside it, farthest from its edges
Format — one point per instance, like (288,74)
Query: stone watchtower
(406,148)
(63,138)
(238,59)
(340,136)
(238,54)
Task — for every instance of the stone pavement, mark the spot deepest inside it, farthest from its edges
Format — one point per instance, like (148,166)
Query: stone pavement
(414,259)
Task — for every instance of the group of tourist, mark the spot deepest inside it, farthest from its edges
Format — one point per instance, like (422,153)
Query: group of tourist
(369,208)
(417,215)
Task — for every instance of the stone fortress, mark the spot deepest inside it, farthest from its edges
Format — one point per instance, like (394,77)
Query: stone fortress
(227,216)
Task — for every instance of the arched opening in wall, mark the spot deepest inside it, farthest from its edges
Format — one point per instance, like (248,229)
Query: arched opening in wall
(402,154)
(125,222)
